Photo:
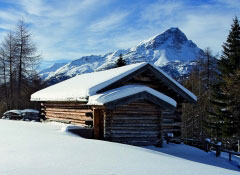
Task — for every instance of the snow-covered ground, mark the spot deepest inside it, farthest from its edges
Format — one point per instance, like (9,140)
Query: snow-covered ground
(28,148)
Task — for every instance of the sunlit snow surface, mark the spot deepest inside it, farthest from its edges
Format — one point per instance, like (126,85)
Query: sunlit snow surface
(28,148)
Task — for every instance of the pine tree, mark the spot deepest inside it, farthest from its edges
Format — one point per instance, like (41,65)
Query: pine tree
(120,62)
(223,118)
(232,91)
(230,59)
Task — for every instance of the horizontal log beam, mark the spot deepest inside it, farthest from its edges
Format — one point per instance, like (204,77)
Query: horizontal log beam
(69,110)
(65,113)
(135,112)
(138,128)
(64,104)
(134,124)
(134,121)
(135,135)
(108,119)
(135,132)
(68,118)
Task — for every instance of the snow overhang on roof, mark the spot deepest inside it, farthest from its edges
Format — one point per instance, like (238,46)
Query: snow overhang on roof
(127,94)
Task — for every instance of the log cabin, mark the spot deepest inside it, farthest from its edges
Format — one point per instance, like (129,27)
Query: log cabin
(135,104)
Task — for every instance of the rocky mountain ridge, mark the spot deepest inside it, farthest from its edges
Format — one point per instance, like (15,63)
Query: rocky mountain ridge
(171,51)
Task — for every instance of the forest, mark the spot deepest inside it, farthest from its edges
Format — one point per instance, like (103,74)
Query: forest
(216,82)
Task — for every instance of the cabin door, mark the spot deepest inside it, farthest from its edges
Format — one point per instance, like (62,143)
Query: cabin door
(98,123)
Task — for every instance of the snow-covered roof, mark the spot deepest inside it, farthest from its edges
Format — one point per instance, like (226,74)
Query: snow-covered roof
(125,91)
(79,88)
(82,87)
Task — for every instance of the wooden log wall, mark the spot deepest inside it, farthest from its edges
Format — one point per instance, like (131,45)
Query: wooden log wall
(76,113)
(138,123)
(171,119)
(171,122)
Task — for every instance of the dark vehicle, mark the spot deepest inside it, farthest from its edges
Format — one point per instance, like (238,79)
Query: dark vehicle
(26,115)
(30,114)
(12,115)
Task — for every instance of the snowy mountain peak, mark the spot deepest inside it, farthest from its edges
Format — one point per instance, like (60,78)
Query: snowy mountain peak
(169,46)
(170,49)
(171,38)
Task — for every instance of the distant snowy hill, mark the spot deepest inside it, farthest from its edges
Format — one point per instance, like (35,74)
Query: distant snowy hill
(171,51)
(51,69)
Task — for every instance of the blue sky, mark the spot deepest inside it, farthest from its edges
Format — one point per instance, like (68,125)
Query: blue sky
(69,29)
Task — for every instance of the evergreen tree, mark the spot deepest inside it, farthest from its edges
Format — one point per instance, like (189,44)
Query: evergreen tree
(224,115)
(232,91)
(230,59)
(120,62)
(201,77)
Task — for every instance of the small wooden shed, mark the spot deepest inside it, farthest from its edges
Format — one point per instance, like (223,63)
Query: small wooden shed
(133,104)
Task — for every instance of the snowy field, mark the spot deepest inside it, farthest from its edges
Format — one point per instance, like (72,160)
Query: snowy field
(28,148)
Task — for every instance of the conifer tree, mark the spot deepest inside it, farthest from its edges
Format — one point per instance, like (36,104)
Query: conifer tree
(232,91)
(224,118)
(230,59)
(120,62)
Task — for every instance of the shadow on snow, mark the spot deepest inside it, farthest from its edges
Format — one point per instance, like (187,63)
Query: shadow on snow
(194,154)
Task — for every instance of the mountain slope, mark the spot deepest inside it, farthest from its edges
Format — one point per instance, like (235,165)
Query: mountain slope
(51,69)
(171,51)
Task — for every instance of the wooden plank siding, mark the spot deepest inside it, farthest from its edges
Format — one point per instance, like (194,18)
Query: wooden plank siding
(75,113)
(138,123)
